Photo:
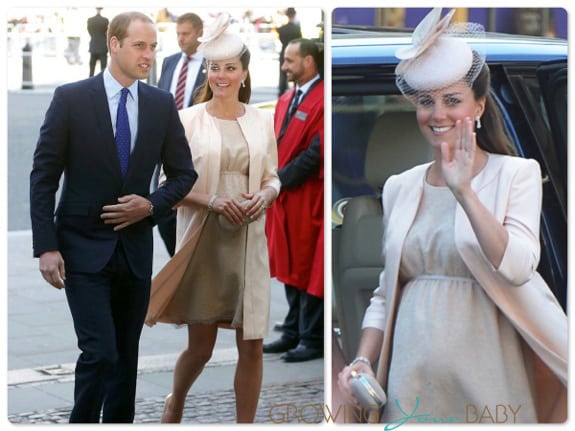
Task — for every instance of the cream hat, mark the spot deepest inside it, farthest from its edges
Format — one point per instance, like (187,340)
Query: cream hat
(438,55)
(219,42)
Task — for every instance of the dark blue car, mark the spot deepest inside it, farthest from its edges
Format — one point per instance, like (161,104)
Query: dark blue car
(375,135)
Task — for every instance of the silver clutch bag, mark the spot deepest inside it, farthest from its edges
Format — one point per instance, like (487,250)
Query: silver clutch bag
(367,390)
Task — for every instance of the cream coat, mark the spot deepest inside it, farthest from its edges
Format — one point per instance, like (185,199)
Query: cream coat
(205,142)
(510,187)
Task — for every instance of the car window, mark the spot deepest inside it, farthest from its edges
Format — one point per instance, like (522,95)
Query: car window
(353,120)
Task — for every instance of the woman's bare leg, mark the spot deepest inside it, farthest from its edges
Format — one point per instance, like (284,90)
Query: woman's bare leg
(190,363)
(248,378)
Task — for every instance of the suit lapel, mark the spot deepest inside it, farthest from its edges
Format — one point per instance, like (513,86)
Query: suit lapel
(104,122)
(167,72)
(284,113)
(172,68)
(145,119)
(200,79)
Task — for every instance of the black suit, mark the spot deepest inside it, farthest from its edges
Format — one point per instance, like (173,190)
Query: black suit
(167,225)
(107,272)
(304,319)
(301,167)
(97,28)
(167,75)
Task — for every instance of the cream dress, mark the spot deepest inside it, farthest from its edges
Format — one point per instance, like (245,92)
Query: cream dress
(212,287)
(455,357)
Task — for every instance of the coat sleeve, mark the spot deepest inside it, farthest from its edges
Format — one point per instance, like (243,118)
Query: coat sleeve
(48,165)
(177,166)
(521,221)
(303,165)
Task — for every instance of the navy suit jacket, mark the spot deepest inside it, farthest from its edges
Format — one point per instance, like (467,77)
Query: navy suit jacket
(97,27)
(77,140)
(167,73)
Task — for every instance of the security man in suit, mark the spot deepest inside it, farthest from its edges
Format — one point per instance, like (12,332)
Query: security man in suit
(189,27)
(294,224)
(286,33)
(97,27)
(107,134)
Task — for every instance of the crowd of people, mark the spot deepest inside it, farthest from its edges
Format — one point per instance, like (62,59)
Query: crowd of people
(192,156)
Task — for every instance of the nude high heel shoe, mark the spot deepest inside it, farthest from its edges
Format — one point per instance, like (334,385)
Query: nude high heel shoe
(168,416)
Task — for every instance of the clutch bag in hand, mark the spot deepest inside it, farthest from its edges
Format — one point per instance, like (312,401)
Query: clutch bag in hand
(228,225)
(367,390)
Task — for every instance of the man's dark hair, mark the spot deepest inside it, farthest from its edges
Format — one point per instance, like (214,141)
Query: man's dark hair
(313,48)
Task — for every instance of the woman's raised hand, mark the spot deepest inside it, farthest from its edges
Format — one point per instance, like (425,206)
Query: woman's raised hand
(457,161)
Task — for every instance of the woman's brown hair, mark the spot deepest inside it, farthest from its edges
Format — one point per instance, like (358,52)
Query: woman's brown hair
(491,137)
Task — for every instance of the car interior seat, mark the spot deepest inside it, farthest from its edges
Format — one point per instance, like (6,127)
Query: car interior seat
(395,144)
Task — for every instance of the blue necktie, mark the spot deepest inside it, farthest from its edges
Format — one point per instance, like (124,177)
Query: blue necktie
(294,104)
(123,139)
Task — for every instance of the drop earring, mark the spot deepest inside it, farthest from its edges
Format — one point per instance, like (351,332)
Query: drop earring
(243,83)
(478,122)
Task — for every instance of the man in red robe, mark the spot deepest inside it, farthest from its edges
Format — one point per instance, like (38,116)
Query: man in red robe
(294,224)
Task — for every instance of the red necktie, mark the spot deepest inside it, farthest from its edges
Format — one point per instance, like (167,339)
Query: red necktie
(181,87)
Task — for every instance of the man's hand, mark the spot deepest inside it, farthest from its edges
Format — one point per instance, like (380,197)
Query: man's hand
(52,268)
(130,209)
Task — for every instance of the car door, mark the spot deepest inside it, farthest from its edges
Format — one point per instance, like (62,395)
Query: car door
(534,100)
(553,81)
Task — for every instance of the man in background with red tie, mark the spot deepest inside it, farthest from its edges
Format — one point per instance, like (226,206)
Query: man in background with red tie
(182,74)
(294,225)
(106,135)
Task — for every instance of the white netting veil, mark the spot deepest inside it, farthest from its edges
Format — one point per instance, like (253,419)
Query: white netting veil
(439,55)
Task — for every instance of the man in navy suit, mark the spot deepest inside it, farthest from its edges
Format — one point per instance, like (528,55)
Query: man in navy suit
(98,243)
(286,33)
(97,28)
(189,27)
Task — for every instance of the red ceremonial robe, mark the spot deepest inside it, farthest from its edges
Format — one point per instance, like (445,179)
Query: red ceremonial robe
(294,224)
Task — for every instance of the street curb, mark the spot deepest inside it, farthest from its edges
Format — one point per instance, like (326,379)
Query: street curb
(58,373)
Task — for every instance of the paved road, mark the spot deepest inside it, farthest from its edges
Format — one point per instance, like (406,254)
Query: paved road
(295,403)
(42,352)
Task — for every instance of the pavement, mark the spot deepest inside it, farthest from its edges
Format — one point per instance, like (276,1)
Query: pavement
(42,353)
(41,349)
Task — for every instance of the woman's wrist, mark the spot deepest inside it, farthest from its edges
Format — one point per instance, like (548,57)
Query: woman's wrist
(271,195)
(211,202)
(361,359)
